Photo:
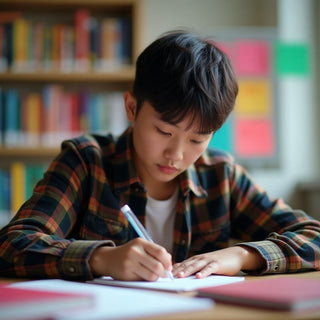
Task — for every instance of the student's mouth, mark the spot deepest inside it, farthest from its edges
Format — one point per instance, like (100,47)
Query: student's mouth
(167,169)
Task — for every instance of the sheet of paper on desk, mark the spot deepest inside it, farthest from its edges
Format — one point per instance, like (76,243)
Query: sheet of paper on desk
(177,285)
(119,303)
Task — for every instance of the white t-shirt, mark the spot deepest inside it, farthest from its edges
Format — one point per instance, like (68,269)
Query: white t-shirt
(160,215)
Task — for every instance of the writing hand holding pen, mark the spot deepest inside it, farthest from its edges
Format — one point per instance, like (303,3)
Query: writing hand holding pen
(140,230)
(138,259)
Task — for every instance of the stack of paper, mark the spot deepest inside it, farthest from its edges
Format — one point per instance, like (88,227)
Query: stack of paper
(118,303)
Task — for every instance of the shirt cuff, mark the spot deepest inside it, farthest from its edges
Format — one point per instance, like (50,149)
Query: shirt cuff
(74,264)
(275,259)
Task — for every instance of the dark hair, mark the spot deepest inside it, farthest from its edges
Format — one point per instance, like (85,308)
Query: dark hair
(181,74)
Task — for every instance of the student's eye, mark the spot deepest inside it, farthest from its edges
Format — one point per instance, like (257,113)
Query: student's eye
(196,141)
(163,132)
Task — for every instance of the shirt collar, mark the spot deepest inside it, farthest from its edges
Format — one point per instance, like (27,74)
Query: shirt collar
(189,181)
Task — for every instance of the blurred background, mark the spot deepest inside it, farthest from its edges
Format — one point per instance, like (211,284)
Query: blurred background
(64,65)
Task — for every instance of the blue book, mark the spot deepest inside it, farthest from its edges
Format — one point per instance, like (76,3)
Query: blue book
(12,118)
(93,113)
(8,44)
(94,42)
(6,195)
(125,46)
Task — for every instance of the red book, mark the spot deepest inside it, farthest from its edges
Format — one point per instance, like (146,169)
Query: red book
(82,39)
(17,303)
(289,294)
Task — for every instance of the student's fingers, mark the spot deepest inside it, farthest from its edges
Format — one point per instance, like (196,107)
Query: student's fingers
(161,260)
(210,268)
(144,273)
(189,266)
(150,260)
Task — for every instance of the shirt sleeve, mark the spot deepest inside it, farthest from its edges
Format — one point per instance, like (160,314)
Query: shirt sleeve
(288,239)
(38,242)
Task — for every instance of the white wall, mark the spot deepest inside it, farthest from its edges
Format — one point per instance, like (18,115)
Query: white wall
(203,15)
(299,111)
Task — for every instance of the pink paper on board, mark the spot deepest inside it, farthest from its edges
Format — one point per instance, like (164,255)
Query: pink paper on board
(254,137)
(252,58)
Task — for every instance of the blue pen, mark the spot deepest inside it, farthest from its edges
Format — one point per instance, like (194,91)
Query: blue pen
(139,229)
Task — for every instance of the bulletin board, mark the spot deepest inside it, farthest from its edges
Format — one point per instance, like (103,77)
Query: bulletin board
(251,133)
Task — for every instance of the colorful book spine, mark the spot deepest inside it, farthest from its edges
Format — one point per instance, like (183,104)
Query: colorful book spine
(18,192)
(32,119)
(12,132)
(20,44)
(5,197)
(6,23)
(82,40)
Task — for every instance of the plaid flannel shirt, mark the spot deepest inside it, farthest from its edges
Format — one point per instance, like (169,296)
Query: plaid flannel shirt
(75,208)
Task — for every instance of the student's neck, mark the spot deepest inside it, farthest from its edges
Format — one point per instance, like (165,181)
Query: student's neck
(161,191)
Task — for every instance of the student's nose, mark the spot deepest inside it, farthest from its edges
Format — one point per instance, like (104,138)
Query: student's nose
(174,151)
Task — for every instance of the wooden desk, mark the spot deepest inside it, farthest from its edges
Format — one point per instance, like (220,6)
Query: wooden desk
(231,312)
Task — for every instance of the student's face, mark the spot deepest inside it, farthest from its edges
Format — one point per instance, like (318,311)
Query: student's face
(162,150)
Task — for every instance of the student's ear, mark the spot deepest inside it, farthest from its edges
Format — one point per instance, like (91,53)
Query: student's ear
(130,103)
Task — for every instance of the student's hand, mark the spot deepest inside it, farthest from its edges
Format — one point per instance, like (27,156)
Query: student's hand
(227,261)
(136,260)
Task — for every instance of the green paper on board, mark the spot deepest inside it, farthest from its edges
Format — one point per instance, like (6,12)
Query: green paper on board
(292,59)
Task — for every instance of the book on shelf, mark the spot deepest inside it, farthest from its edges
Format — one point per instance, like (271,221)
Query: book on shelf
(12,120)
(18,185)
(82,40)
(288,294)
(86,43)
(5,201)
(25,303)
(31,119)
(6,39)
(21,29)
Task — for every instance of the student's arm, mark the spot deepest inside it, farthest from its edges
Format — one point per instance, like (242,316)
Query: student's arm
(40,240)
(277,239)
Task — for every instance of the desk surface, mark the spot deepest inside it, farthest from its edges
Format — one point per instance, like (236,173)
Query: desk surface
(231,312)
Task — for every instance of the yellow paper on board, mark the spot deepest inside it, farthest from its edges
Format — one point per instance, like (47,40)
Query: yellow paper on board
(254,98)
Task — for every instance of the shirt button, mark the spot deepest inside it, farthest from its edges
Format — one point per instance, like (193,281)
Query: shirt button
(72,269)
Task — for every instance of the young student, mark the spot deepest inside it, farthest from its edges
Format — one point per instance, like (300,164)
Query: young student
(191,199)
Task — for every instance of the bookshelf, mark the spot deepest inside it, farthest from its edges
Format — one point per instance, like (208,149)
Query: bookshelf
(103,78)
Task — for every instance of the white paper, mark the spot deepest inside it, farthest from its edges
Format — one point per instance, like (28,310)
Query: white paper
(177,285)
(116,303)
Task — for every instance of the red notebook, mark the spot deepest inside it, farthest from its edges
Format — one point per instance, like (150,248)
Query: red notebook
(290,294)
(16,303)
